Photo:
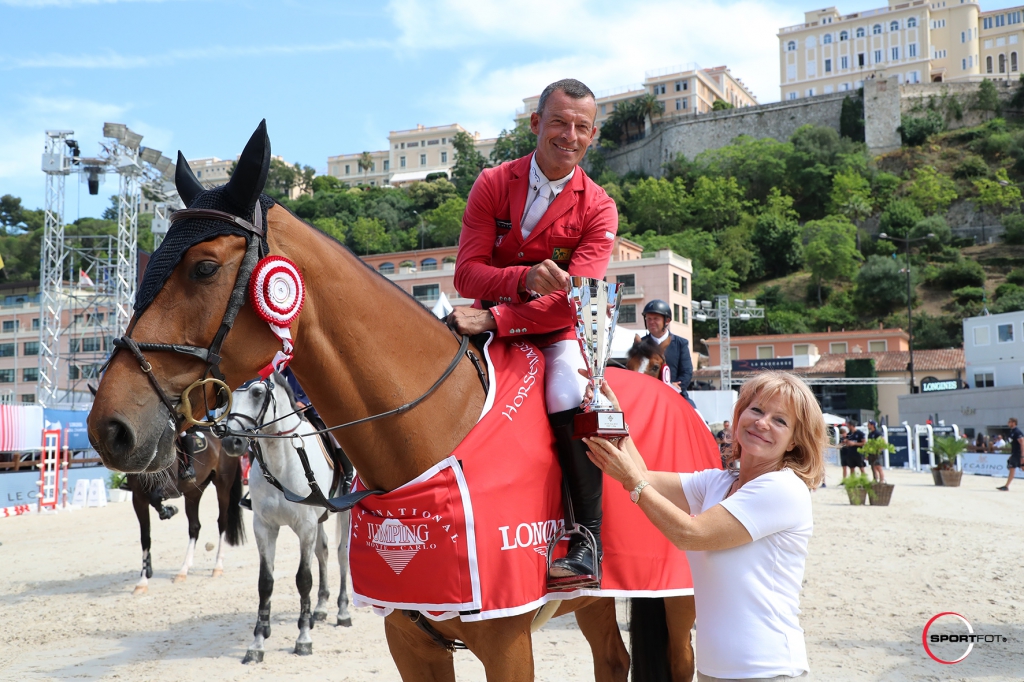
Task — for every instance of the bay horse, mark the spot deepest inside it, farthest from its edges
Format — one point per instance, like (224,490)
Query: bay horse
(645,356)
(181,333)
(271,401)
(212,465)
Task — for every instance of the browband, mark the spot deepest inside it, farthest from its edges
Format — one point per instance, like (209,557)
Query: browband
(222,216)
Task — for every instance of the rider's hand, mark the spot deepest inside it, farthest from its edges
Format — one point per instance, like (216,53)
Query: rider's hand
(544,278)
(470,321)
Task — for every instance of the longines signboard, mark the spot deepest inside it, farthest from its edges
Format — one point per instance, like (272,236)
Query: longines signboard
(754,365)
(932,386)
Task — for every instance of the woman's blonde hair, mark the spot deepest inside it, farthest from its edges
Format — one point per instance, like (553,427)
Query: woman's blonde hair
(807,458)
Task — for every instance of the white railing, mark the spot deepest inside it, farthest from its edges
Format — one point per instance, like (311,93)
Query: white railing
(677,68)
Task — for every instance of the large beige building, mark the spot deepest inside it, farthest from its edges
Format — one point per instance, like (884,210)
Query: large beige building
(686,89)
(411,155)
(918,42)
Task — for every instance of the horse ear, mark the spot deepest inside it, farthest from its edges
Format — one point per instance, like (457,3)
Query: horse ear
(250,176)
(636,338)
(185,181)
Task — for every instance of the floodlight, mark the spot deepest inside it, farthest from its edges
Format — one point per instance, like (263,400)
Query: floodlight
(132,140)
(751,303)
(744,316)
(150,155)
(883,235)
(162,163)
(706,305)
(169,172)
(931,235)
(700,317)
(737,303)
(93,175)
(115,130)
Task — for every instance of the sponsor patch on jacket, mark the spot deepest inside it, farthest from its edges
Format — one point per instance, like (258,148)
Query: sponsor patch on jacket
(561,254)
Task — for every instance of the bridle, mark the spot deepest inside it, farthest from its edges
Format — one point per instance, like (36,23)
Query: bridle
(212,375)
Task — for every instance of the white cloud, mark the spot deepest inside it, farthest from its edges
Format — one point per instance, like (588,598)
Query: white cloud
(603,44)
(110,59)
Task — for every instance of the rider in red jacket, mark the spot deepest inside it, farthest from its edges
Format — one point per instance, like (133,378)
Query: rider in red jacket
(530,224)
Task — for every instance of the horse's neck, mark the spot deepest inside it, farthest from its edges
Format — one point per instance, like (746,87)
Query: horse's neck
(364,347)
(279,453)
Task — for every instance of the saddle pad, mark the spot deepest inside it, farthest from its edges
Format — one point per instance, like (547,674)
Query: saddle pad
(500,491)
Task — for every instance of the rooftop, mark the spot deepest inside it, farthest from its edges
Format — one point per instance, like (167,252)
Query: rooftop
(886,362)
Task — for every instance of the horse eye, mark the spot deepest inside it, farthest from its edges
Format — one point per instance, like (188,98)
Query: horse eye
(206,269)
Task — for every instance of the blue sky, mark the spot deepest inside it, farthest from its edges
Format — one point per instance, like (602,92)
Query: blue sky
(333,76)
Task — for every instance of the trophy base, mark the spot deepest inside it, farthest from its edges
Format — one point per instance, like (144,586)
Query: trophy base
(604,424)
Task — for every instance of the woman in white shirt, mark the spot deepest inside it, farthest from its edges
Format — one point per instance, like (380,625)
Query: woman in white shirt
(745,536)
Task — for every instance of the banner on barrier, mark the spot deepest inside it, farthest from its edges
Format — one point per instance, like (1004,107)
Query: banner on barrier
(986,463)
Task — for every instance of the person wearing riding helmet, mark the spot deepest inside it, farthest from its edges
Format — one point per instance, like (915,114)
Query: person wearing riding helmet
(657,315)
(529,225)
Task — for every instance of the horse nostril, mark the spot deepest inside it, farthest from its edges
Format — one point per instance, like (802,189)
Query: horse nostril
(233,445)
(120,438)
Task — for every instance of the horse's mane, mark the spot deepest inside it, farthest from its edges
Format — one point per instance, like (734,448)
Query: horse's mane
(280,380)
(362,262)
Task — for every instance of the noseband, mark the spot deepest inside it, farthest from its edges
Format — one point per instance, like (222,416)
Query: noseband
(212,375)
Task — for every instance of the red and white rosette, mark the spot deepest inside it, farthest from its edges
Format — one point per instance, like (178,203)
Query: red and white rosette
(277,292)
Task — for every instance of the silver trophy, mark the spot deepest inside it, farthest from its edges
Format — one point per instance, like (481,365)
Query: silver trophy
(595,304)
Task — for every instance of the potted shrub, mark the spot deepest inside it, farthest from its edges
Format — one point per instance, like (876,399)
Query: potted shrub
(448,263)
(858,488)
(883,491)
(946,448)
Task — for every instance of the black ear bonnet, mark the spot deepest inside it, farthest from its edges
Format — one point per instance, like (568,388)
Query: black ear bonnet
(240,197)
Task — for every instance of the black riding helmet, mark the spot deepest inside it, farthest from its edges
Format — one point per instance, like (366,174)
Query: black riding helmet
(658,307)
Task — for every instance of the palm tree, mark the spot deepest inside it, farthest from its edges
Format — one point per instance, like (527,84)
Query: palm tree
(365,162)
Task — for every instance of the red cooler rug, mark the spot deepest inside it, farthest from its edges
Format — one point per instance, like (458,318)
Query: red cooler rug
(468,537)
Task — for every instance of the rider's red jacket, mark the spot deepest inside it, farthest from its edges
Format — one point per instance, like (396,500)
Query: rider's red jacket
(577,232)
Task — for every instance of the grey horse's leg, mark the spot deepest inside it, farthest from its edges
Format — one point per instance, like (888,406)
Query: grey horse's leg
(344,617)
(304,584)
(322,555)
(266,543)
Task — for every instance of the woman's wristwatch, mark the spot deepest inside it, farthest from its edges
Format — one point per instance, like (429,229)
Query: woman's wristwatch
(634,494)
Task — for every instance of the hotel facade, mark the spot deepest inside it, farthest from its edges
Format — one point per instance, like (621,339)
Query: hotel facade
(918,42)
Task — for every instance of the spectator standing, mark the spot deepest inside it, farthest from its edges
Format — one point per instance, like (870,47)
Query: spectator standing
(848,455)
(1016,445)
(875,460)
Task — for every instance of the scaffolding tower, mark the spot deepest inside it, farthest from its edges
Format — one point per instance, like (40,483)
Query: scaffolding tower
(103,300)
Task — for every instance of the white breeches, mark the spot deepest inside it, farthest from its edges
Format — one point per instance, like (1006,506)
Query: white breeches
(563,386)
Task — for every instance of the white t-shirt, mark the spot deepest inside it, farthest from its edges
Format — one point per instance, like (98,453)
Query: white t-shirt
(748,597)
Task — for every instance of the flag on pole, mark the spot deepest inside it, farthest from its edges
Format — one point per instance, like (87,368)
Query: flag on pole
(85,280)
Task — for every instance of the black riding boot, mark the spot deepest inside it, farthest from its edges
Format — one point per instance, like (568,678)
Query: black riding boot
(186,472)
(582,498)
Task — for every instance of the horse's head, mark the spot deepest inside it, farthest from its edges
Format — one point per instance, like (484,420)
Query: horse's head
(259,402)
(194,281)
(645,356)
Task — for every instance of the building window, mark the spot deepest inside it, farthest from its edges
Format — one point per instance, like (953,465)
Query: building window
(734,353)
(659,89)
(444,157)
(792,95)
(894,26)
(791,72)
(31,348)
(895,54)
(912,22)
(810,92)
(1013,62)
(10,325)
(838,347)
(988,64)
(827,40)
(791,46)
(675,312)
(423,159)
(986,22)
(685,316)
(675,282)
(876,29)
(1000,20)
(426,292)
(844,62)
(627,313)
(6,376)
(604,109)
(401,162)
(912,50)
(843,35)
(828,66)
(684,285)
(386,268)
(981,380)
(92,344)
(414,144)
(765,352)
(30,374)
(679,104)
(348,170)
(981,336)
(680,86)
(1002,63)
(685,103)
(28,397)
(878,346)
(860,59)
(860,32)
(387,165)
(1004,333)
(428,264)
(801,349)
(878,56)
(35,320)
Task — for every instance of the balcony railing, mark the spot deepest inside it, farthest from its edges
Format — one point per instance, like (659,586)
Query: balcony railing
(632,292)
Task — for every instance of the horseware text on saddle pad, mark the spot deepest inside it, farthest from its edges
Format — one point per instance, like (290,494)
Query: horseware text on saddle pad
(468,537)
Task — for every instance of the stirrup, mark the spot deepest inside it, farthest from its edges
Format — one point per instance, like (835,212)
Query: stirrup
(574,582)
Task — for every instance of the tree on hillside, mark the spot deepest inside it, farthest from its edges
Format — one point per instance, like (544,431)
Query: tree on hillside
(333,227)
(851,119)
(468,163)
(900,217)
(445,221)
(777,241)
(997,195)
(659,205)
(716,202)
(326,183)
(830,250)
(368,236)
(514,144)
(987,98)
(721,105)
(429,195)
(365,162)
(759,165)
(932,191)
(15,219)
(881,286)
(851,195)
